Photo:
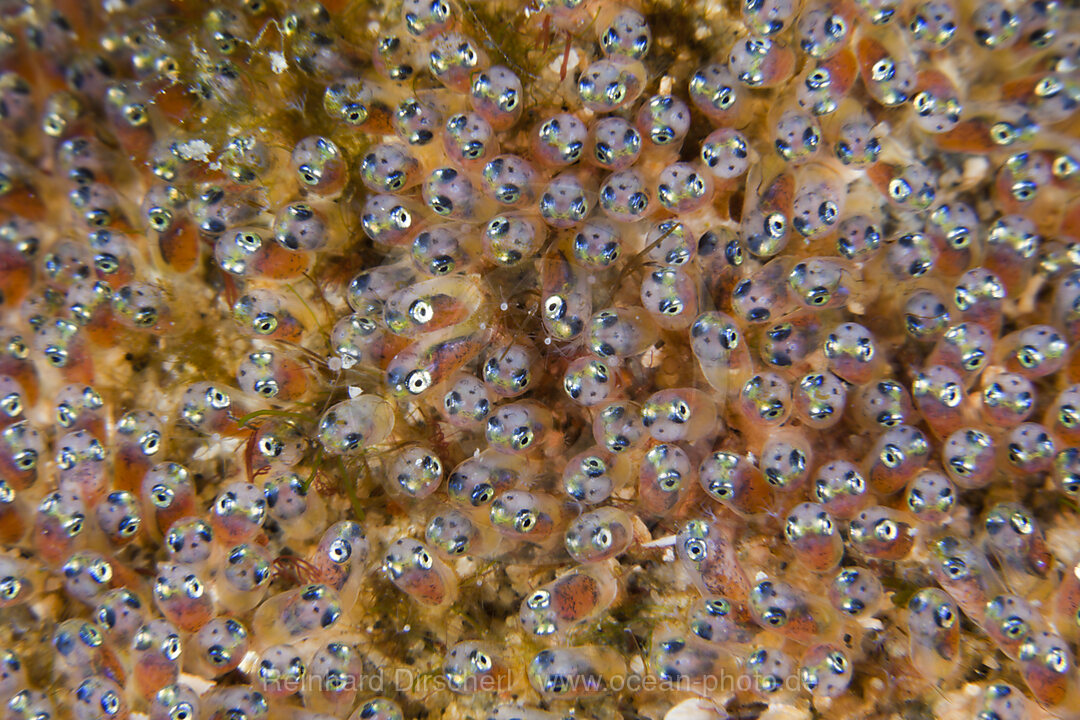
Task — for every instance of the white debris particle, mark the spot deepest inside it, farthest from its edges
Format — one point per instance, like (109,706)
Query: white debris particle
(347,361)
(666,541)
(668,556)
(334,363)
(693,709)
(200,685)
(572,59)
(195,150)
(277,63)
(355,391)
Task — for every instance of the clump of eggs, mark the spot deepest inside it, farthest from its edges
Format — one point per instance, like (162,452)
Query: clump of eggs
(570,358)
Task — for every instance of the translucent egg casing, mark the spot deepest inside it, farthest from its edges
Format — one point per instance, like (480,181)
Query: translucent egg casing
(934,632)
(30,705)
(814,537)
(765,401)
(81,651)
(665,478)
(965,348)
(340,558)
(562,673)
(566,302)
(825,671)
(670,295)
(599,535)
(607,85)
(821,87)
(1048,667)
(1029,449)
(969,457)
(1014,536)
(782,608)
(183,597)
(295,615)
(979,298)
(707,551)
(591,476)
(679,414)
(220,646)
(1007,399)
(885,403)
(552,610)
(530,516)
(679,656)
(1004,701)
(721,621)
(155,655)
(120,613)
(415,571)
(280,672)
(353,424)
(288,502)
(767,216)
(341,667)
(926,316)
(245,577)
(963,571)
(931,496)
(519,428)
(720,348)
(238,513)
(223,702)
(377,708)
(938,392)
(882,533)
(786,460)
(99,698)
(1066,471)
(734,481)
(852,353)
(510,370)
(1009,620)
(470,667)
(759,62)
(889,79)
(477,480)
(175,702)
(618,427)
(452,533)
(621,332)
(819,400)
(856,592)
(467,401)
(435,357)
(1063,415)
(431,305)
(59,526)
(896,457)
(414,472)
(1034,351)
(769,670)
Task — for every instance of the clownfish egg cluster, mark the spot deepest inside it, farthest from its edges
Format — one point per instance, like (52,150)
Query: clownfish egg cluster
(535,360)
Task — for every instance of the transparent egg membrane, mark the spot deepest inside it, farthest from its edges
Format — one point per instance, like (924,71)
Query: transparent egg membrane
(570,358)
